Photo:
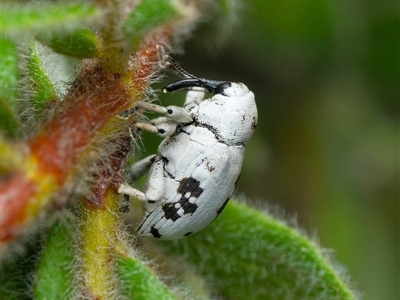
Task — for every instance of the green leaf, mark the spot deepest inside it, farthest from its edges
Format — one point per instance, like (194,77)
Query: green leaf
(9,124)
(139,282)
(53,277)
(45,16)
(250,255)
(43,89)
(146,16)
(80,43)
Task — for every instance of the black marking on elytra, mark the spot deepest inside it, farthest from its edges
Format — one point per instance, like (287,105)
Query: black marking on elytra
(170,211)
(154,232)
(190,185)
(188,233)
(222,207)
(188,207)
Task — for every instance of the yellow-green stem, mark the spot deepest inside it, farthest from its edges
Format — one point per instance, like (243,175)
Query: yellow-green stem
(99,236)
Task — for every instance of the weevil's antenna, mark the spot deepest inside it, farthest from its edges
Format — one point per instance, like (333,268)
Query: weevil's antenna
(172,64)
(190,81)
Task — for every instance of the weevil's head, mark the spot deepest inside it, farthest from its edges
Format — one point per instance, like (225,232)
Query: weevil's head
(231,89)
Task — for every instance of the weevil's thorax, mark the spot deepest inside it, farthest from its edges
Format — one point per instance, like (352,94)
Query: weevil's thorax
(231,114)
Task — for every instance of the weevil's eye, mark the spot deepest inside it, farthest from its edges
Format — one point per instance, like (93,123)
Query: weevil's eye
(222,87)
(232,89)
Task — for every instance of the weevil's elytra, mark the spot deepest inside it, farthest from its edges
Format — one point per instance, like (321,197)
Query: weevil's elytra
(219,211)
(154,232)
(210,168)
(170,211)
(198,163)
(190,185)
(187,206)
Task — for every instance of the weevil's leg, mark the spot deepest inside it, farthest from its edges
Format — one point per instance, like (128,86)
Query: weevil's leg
(172,112)
(162,129)
(139,168)
(156,183)
(147,127)
(178,114)
(130,191)
(194,97)
(160,121)
(151,107)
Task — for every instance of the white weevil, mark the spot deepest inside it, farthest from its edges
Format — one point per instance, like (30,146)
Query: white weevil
(198,163)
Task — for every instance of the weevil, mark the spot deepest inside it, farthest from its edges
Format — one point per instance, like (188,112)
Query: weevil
(198,163)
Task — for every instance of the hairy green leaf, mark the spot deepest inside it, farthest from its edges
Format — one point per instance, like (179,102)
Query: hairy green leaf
(79,43)
(146,16)
(251,255)
(139,282)
(43,89)
(44,15)
(54,277)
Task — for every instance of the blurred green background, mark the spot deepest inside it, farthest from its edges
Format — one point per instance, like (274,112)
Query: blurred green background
(326,79)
